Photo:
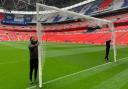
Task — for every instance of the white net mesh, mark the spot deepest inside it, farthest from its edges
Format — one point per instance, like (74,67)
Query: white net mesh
(80,29)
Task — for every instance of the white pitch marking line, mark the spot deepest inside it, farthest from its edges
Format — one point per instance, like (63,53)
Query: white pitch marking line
(50,81)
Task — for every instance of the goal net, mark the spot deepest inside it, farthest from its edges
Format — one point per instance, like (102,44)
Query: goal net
(78,38)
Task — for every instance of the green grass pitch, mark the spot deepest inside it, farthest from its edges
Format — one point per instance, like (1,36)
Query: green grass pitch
(67,66)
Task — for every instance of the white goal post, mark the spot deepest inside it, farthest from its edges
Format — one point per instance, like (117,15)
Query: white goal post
(39,28)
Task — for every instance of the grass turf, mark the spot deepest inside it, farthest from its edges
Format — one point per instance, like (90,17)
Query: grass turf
(64,59)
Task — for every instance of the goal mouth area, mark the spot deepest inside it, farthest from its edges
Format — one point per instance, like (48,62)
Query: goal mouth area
(50,12)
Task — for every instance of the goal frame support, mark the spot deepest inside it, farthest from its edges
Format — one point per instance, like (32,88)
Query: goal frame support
(40,48)
(40,29)
(111,25)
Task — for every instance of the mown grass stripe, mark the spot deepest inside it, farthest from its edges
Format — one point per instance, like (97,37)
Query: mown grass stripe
(115,82)
(85,73)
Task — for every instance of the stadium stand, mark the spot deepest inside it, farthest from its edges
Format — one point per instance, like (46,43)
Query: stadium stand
(94,7)
(117,4)
(87,9)
(105,4)
(64,32)
(90,38)
(125,4)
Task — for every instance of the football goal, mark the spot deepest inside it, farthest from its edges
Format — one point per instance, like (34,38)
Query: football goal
(75,33)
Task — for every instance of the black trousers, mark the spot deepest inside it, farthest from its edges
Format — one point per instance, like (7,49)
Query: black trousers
(33,67)
(107,54)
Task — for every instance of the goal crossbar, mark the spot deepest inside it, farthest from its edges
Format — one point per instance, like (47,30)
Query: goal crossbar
(69,12)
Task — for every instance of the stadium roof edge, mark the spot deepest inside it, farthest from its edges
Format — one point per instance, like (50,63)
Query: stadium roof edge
(19,12)
(78,4)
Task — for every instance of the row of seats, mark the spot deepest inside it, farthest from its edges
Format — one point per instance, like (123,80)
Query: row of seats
(117,18)
(97,38)
(101,5)
(91,8)
(94,7)
(88,38)
(97,5)
(15,36)
(105,4)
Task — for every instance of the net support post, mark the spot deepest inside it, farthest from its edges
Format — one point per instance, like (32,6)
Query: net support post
(40,50)
(111,26)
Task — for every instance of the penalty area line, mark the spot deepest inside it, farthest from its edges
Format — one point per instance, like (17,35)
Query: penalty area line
(56,79)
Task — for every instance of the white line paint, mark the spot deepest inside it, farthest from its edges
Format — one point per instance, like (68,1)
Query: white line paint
(31,87)
(74,73)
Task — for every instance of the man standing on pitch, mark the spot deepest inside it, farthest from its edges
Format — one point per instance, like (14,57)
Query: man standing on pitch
(107,50)
(33,49)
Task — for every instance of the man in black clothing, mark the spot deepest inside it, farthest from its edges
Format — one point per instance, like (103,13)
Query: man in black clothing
(33,49)
(107,50)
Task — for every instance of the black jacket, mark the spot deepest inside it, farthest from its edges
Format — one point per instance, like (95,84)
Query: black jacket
(33,49)
(107,44)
